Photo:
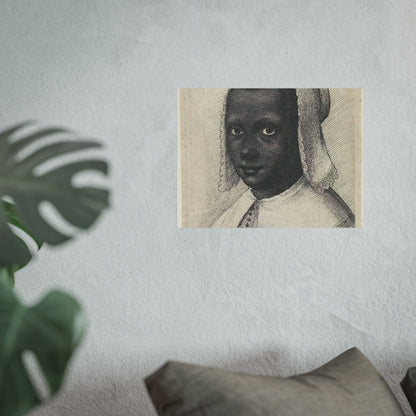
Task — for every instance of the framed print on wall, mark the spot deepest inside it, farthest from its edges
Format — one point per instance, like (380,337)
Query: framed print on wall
(256,158)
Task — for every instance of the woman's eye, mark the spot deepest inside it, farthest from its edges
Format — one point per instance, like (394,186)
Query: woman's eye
(268,131)
(236,131)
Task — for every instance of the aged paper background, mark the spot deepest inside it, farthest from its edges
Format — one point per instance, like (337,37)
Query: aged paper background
(200,202)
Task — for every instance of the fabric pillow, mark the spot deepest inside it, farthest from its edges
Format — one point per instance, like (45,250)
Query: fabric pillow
(349,385)
(409,387)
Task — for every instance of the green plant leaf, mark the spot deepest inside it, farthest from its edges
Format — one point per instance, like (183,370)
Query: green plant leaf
(51,329)
(80,206)
(12,218)
(7,276)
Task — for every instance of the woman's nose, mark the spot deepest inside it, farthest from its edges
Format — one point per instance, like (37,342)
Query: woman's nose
(248,152)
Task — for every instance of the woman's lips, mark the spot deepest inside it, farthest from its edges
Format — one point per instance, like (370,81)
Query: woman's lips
(250,170)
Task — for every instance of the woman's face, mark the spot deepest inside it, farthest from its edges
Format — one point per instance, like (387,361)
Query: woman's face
(261,141)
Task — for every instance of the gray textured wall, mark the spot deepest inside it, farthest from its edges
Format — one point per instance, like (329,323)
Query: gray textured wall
(268,301)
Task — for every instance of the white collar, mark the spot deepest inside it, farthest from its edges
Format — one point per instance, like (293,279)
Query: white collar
(277,199)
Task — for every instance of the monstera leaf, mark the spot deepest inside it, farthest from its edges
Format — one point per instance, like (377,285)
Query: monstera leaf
(20,182)
(52,329)
(13,219)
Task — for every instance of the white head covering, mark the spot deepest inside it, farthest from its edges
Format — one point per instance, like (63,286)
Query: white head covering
(317,166)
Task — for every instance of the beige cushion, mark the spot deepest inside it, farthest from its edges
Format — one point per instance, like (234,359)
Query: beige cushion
(349,385)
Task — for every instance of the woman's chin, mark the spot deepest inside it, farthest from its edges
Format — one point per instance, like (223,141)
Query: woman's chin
(251,180)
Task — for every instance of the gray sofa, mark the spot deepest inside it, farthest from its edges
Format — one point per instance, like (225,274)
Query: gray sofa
(348,385)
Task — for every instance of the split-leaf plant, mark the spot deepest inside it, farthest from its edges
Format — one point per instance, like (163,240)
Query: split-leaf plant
(31,173)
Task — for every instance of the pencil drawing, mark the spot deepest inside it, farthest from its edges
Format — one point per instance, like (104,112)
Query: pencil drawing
(271,140)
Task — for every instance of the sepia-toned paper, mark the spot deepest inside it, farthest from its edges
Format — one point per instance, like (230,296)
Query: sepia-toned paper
(202,202)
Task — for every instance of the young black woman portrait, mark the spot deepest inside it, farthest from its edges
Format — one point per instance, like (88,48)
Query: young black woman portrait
(273,149)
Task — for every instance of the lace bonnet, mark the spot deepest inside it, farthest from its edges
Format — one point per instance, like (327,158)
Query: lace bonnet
(318,169)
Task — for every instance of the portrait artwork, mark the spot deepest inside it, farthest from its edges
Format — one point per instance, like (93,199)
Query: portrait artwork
(257,158)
